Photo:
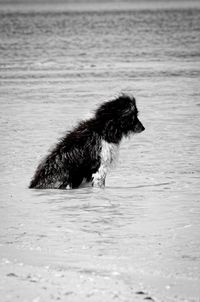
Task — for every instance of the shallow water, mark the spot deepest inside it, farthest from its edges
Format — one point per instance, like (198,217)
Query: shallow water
(140,233)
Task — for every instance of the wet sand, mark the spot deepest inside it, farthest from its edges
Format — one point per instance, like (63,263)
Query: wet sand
(25,278)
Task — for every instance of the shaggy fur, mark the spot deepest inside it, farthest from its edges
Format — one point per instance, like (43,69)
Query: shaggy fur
(85,154)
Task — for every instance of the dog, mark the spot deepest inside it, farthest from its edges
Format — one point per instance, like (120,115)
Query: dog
(85,154)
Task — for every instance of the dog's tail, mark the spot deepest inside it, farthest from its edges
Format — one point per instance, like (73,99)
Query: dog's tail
(37,177)
(32,184)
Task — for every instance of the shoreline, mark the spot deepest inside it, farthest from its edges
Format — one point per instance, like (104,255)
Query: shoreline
(29,276)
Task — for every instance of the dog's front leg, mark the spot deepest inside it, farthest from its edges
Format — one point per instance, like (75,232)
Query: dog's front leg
(98,178)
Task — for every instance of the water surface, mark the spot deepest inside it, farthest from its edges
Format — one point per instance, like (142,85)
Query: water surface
(138,237)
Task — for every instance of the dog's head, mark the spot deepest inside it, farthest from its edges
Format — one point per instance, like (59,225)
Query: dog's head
(120,116)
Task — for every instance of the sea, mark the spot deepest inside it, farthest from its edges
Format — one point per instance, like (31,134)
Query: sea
(139,237)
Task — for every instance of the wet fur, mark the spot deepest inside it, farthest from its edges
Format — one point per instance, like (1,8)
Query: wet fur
(85,154)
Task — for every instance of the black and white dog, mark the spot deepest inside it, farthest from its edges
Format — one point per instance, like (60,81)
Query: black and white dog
(86,153)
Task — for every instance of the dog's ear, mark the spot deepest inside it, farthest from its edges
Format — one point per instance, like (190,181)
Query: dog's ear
(103,111)
(130,109)
(128,105)
(122,106)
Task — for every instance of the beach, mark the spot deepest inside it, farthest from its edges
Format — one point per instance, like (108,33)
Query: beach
(138,238)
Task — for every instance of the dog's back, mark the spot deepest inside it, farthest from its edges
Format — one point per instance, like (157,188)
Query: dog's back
(74,159)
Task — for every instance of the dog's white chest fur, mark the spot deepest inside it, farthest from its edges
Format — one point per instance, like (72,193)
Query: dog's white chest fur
(109,154)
